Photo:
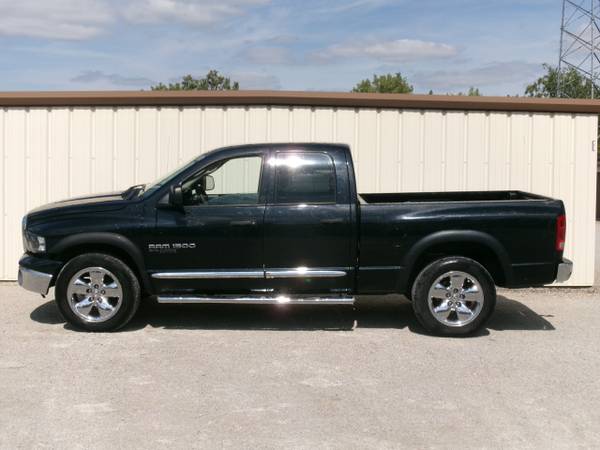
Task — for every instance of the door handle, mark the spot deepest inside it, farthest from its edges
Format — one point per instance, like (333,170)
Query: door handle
(331,221)
(242,223)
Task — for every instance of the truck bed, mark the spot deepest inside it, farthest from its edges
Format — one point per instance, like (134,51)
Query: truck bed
(464,196)
(520,226)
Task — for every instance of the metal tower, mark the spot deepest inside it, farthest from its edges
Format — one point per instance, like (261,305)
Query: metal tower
(580,41)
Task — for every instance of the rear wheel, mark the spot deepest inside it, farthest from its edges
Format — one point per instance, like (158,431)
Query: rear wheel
(453,296)
(97,292)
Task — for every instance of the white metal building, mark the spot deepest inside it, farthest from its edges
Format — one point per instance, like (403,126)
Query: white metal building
(58,145)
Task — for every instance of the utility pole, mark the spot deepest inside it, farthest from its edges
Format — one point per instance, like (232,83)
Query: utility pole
(579,32)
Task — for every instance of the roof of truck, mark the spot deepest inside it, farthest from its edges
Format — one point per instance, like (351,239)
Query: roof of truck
(286,144)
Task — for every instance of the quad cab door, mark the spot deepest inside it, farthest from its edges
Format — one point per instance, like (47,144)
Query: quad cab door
(308,224)
(214,244)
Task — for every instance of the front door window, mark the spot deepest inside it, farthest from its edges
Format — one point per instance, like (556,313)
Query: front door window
(234,181)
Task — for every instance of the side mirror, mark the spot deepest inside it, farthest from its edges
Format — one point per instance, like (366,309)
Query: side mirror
(176,196)
(209,181)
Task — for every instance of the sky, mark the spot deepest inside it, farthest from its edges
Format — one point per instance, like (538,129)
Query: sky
(447,46)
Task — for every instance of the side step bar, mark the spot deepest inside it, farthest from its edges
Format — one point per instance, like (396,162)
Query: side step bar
(259,300)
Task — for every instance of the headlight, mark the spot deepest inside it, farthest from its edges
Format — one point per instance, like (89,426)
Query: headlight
(33,243)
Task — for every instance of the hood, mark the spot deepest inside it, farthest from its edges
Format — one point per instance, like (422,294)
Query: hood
(100,202)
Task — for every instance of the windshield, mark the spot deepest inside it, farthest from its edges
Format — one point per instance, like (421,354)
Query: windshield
(153,187)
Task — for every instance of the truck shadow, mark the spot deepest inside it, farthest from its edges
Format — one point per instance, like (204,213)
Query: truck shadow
(393,312)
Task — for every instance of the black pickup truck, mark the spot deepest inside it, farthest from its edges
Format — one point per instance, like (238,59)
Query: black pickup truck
(284,224)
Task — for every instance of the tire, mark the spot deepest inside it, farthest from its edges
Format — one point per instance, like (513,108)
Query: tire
(453,296)
(104,288)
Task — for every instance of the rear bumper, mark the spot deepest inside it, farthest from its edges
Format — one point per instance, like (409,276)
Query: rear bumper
(37,274)
(565,269)
(539,274)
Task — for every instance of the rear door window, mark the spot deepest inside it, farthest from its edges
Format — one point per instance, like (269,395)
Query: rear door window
(304,177)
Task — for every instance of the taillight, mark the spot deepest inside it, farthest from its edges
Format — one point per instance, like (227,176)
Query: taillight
(561,232)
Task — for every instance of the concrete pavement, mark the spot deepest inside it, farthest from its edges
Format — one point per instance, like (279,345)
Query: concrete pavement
(302,377)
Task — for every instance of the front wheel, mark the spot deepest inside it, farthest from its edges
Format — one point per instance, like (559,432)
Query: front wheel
(453,296)
(97,292)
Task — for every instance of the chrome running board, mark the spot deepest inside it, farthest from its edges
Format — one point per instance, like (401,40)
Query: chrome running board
(259,300)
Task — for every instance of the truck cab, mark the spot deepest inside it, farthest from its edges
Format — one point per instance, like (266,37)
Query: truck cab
(260,219)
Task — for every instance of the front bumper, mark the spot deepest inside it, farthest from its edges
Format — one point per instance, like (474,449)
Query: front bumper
(565,269)
(37,274)
(34,281)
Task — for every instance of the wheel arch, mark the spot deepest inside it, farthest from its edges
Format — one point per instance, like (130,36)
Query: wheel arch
(113,244)
(479,246)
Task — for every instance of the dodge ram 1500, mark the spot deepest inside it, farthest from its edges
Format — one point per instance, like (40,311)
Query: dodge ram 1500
(284,224)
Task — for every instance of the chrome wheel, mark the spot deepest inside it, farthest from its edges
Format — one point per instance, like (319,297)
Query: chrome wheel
(455,299)
(94,294)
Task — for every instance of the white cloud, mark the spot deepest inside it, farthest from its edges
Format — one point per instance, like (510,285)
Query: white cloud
(194,12)
(56,19)
(97,76)
(400,50)
(84,19)
(494,74)
(346,5)
(256,80)
(268,55)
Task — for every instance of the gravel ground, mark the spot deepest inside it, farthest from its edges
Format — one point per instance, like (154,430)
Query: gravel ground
(302,377)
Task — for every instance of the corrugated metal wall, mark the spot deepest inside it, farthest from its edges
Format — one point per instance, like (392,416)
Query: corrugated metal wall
(55,153)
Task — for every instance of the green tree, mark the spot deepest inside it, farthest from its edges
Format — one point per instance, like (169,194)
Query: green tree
(390,83)
(213,81)
(472,92)
(572,84)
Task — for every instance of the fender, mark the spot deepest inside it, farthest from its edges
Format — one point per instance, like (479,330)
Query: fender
(111,240)
(458,236)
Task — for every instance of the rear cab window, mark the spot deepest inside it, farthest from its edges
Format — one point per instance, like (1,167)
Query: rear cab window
(304,177)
